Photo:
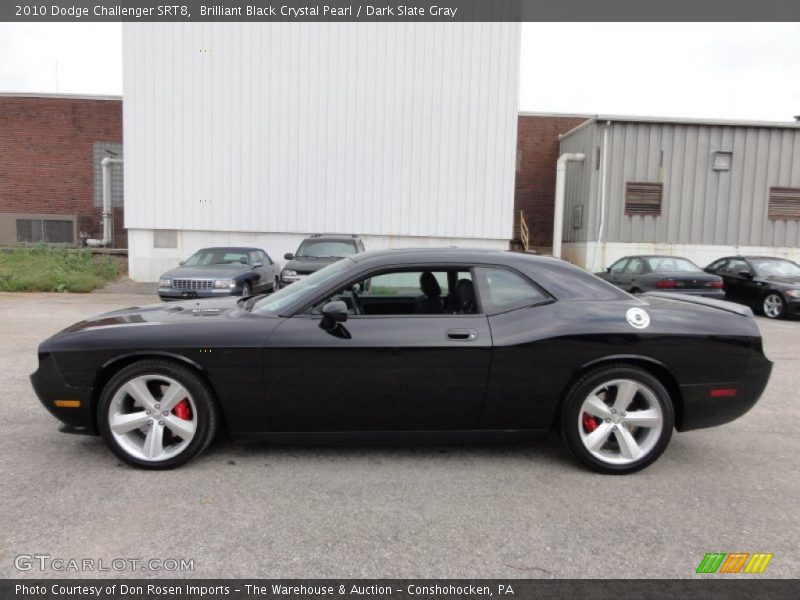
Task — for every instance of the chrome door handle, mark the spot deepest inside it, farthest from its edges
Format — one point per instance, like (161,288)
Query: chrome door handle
(462,335)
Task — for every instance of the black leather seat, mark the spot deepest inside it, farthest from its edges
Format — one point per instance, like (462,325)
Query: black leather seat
(430,302)
(464,297)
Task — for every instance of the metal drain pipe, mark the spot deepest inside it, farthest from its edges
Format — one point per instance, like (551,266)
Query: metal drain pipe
(108,211)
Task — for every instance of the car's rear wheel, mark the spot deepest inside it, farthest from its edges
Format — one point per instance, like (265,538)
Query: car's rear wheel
(617,419)
(773,305)
(157,414)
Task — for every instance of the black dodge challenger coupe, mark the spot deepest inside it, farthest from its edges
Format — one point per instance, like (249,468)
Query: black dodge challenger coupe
(445,344)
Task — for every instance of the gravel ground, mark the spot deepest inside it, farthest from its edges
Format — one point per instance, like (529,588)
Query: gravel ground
(456,511)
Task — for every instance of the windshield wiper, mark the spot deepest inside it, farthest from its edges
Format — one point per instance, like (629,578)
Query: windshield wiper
(251,301)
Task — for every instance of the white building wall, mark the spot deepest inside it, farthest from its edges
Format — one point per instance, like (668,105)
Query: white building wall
(261,133)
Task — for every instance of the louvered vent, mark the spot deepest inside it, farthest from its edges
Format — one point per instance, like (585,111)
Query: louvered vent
(784,203)
(643,198)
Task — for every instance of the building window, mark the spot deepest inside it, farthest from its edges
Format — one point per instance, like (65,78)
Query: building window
(784,203)
(165,238)
(643,198)
(577,217)
(722,161)
(48,231)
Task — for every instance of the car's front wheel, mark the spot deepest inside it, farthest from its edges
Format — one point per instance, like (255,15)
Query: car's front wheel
(617,419)
(157,414)
(773,305)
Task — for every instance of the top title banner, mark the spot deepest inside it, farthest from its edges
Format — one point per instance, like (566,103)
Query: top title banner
(401,10)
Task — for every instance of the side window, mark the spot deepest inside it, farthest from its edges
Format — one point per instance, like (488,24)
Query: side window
(418,291)
(618,266)
(737,265)
(502,290)
(718,265)
(635,266)
(265,258)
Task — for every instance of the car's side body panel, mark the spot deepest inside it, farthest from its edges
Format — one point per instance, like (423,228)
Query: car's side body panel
(278,375)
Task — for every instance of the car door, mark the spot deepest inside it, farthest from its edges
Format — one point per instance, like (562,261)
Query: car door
(630,277)
(615,271)
(736,282)
(379,372)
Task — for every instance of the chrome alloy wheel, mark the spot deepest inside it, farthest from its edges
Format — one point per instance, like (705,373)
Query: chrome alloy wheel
(620,421)
(152,417)
(773,306)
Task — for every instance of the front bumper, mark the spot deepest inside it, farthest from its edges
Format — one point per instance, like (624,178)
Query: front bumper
(792,306)
(169,293)
(52,390)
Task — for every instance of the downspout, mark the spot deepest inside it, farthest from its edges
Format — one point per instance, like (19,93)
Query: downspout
(558,221)
(108,211)
(603,169)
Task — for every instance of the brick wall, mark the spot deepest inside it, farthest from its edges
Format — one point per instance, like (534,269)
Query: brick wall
(535,186)
(46,156)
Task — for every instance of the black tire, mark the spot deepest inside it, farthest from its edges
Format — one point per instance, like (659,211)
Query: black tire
(246,289)
(571,413)
(773,306)
(276,285)
(207,417)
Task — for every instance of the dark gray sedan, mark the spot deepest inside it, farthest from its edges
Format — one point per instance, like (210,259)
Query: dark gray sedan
(215,272)
(637,274)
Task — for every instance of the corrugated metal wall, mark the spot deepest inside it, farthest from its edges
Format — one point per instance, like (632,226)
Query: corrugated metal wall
(700,205)
(380,128)
(581,184)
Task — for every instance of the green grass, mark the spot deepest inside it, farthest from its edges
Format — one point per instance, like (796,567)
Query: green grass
(46,269)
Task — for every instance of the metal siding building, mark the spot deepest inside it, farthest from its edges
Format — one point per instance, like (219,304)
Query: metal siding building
(705,213)
(260,133)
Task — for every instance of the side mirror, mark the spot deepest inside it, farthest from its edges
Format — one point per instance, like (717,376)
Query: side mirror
(288,256)
(257,265)
(333,313)
(746,274)
(607,270)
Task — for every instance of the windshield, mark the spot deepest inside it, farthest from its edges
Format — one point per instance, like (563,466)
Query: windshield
(218,256)
(672,265)
(325,249)
(775,267)
(276,302)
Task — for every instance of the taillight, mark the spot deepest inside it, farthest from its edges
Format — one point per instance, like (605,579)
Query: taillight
(666,283)
(717,285)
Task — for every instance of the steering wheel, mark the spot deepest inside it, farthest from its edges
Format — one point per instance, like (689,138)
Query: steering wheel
(357,310)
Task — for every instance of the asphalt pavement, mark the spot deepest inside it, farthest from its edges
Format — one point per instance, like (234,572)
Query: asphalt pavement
(525,510)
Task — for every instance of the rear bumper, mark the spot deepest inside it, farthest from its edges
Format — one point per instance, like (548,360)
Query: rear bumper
(702,409)
(51,387)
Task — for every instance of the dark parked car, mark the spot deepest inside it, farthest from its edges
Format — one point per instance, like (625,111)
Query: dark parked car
(426,345)
(637,274)
(214,272)
(765,283)
(317,251)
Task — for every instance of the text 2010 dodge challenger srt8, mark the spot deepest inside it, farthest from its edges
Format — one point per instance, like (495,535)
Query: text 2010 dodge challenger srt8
(410,344)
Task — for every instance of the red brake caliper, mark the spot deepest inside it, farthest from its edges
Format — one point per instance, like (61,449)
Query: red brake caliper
(182,410)
(589,422)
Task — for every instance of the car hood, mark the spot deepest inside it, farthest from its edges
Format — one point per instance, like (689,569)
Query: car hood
(309,265)
(199,311)
(209,272)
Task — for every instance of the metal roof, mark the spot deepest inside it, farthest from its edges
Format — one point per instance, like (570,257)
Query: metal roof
(59,96)
(681,121)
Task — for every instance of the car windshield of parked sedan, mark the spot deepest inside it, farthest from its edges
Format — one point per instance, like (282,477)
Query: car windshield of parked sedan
(775,268)
(276,302)
(205,258)
(672,265)
(325,249)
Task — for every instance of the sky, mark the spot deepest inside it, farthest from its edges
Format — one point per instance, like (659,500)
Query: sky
(725,71)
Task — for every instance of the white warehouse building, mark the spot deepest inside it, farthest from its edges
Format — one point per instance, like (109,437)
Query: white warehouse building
(262,133)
